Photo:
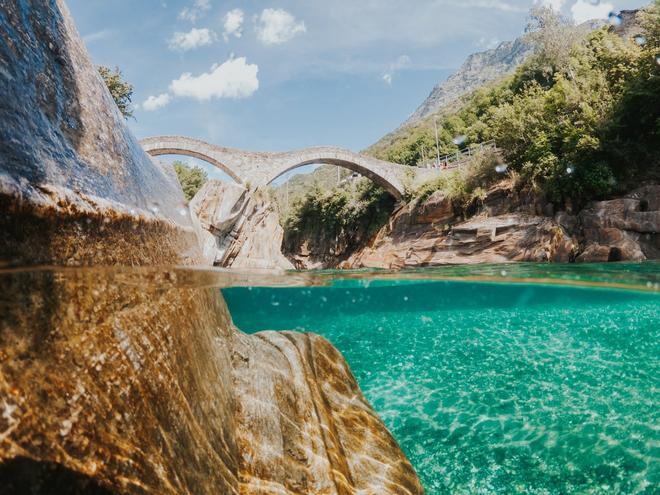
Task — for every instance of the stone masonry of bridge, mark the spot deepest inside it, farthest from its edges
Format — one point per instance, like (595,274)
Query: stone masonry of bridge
(261,168)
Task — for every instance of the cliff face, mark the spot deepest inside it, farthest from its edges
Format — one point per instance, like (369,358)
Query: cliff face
(241,228)
(509,228)
(134,380)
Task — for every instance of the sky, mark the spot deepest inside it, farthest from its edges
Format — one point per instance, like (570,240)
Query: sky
(286,74)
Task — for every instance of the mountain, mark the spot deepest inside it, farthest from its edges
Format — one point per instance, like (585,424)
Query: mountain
(479,69)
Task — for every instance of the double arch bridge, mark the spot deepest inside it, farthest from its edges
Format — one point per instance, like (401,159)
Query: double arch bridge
(262,168)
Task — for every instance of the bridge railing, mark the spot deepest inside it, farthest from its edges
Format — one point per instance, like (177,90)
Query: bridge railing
(455,160)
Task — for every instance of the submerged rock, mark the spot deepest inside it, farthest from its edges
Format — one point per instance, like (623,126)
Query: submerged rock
(134,380)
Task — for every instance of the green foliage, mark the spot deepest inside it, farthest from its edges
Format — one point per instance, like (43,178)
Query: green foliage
(579,120)
(191,178)
(121,91)
(466,184)
(339,218)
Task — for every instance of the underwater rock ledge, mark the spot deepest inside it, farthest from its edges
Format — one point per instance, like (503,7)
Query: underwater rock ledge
(123,380)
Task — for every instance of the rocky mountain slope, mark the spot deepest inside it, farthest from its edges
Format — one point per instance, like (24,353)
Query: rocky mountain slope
(477,70)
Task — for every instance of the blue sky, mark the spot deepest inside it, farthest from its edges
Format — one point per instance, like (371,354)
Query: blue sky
(287,74)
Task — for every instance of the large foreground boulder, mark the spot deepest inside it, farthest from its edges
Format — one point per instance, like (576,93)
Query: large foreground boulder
(75,186)
(133,380)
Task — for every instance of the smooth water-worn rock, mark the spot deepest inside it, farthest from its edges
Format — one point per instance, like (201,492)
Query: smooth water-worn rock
(240,227)
(75,186)
(126,380)
(136,381)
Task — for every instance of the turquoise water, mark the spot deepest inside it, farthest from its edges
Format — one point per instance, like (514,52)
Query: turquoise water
(496,387)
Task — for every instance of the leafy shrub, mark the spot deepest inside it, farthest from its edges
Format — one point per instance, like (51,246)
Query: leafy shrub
(191,178)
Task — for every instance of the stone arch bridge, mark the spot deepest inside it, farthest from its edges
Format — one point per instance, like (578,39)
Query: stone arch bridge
(261,168)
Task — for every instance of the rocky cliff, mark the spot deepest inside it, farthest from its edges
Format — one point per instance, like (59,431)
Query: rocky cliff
(134,380)
(241,228)
(506,227)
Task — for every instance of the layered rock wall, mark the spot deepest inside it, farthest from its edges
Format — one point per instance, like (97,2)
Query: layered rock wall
(508,228)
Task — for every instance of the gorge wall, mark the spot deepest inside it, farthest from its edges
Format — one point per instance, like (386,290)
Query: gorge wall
(506,227)
(126,379)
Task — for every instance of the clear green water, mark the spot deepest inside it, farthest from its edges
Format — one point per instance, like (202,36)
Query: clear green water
(496,387)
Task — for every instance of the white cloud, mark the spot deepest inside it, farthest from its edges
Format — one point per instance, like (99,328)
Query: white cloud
(155,102)
(401,62)
(235,78)
(584,10)
(233,24)
(191,40)
(276,26)
(556,5)
(196,11)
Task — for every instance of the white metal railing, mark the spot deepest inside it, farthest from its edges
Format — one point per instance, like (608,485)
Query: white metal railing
(454,160)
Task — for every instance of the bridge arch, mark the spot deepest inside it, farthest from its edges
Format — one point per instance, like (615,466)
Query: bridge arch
(193,148)
(352,165)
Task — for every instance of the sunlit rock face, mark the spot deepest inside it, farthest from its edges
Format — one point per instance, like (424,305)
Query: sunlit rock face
(431,232)
(134,380)
(623,229)
(75,186)
(506,227)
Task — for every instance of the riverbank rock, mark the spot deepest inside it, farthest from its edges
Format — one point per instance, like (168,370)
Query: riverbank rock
(124,379)
(623,229)
(256,239)
(512,237)
(508,228)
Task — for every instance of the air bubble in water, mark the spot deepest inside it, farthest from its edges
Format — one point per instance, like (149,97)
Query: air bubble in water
(657,59)
(615,19)
(183,212)
(458,140)
(640,40)
(503,273)
(501,168)
(570,169)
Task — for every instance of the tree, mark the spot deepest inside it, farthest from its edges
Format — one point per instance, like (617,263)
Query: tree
(553,37)
(120,90)
(191,178)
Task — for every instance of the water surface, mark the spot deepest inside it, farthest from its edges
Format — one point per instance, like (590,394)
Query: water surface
(538,379)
